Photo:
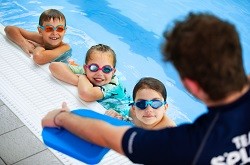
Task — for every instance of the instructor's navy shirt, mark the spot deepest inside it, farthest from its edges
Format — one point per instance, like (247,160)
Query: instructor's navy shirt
(221,136)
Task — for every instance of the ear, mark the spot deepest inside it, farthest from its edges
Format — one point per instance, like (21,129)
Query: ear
(166,107)
(135,120)
(194,88)
(190,85)
(132,112)
(114,70)
(39,30)
(85,67)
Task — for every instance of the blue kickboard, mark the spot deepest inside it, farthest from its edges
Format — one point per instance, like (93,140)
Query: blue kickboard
(62,140)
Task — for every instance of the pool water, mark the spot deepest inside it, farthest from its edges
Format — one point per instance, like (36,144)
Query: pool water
(133,28)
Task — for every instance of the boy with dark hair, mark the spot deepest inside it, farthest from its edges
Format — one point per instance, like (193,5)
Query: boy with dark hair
(46,45)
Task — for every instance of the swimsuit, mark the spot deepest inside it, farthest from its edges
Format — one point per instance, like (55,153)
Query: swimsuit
(64,57)
(114,94)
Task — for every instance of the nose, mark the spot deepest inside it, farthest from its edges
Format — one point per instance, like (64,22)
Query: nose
(99,72)
(54,32)
(148,108)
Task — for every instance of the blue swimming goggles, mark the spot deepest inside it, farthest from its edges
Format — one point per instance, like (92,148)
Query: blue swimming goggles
(143,104)
(94,68)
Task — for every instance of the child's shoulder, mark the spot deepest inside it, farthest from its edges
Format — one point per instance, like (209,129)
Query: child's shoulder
(168,121)
(64,46)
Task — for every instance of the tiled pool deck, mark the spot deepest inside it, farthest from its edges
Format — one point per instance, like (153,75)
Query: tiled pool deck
(18,145)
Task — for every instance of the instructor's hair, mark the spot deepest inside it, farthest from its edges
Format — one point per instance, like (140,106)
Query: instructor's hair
(207,50)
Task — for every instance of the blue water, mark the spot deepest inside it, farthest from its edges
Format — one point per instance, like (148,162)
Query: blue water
(133,28)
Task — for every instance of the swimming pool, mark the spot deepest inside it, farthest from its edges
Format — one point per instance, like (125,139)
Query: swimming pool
(133,28)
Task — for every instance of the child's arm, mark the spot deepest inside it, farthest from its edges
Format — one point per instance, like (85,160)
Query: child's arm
(113,113)
(87,91)
(62,72)
(42,56)
(22,37)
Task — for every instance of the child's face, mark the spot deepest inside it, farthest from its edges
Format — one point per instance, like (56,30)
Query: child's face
(149,116)
(99,78)
(52,38)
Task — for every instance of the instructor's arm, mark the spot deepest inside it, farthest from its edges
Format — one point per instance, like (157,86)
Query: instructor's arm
(92,130)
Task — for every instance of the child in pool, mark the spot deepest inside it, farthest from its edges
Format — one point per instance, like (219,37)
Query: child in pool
(149,107)
(96,80)
(45,45)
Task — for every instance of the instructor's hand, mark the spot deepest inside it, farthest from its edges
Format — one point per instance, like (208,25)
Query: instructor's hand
(50,119)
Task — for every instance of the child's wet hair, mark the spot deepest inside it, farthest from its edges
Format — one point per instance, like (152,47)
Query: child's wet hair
(101,48)
(51,13)
(150,83)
